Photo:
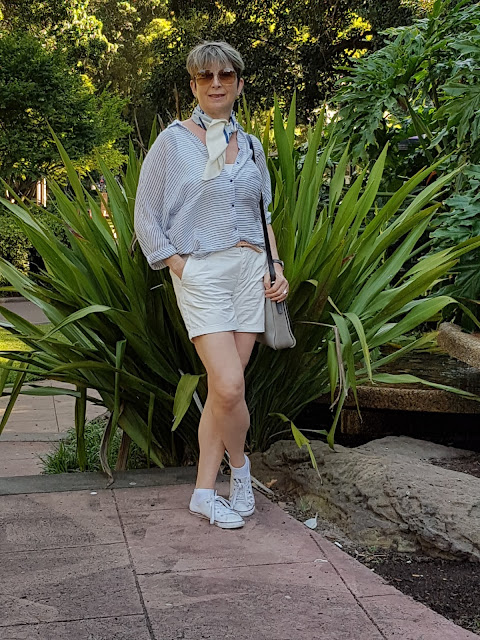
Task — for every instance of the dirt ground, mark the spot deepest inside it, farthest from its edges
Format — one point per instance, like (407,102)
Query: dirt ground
(449,587)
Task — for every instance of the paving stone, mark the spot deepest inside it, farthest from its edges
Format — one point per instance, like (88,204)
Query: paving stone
(118,628)
(67,584)
(358,578)
(178,496)
(174,540)
(400,617)
(47,425)
(272,602)
(21,458)
(149,499)
(54,520)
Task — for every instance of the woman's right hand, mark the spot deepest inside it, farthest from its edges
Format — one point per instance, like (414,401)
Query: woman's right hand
(176,264)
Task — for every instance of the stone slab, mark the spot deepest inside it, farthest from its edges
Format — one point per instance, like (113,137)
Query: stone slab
(402,398)
(399,617)
(33,436)
(67,584)
(24,308)
(53,521)
(94,481)
(460,345)
(31,424)
(188,543)
(149,499)
(22,458)
(116,628)
(360,580)
(270,602)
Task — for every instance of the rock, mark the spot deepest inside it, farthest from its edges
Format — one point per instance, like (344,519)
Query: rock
(384,493)
(460,345)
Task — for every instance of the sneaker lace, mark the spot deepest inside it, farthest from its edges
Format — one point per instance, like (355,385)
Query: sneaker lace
(242,490)
(219,506)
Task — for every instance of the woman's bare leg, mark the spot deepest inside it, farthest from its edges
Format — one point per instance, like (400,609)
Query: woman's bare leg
(225,418)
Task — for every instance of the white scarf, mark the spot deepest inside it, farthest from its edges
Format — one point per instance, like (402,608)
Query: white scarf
(219,131)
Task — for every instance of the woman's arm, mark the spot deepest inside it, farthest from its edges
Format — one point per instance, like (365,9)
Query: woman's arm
(150,217)
(276,291)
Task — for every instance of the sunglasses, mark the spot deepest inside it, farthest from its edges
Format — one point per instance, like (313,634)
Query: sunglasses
(225,76)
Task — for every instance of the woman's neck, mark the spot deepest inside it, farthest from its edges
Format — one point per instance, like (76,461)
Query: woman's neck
(220,115)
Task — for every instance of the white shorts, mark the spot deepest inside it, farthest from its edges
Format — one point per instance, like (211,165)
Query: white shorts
(222,292)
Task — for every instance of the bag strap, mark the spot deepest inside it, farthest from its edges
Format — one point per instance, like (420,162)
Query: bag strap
(271,268)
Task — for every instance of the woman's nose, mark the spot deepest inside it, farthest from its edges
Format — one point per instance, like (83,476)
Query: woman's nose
(216,80)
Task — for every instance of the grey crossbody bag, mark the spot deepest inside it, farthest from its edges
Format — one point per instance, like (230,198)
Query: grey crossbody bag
(278,332)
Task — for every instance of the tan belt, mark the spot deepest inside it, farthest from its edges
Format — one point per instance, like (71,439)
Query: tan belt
(244,243)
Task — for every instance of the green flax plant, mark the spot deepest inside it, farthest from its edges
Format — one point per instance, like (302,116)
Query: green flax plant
(350,294)
(116,325)
(117,328)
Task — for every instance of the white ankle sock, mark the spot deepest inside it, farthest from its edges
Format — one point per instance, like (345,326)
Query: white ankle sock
(199,495)
(241,472)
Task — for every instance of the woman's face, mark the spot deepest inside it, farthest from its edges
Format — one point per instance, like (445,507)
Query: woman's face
(216,96)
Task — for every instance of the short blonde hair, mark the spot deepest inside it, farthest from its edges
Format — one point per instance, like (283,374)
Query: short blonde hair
(219,53)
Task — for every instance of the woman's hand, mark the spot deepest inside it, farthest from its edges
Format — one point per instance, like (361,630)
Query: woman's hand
(279,290)
(176,264)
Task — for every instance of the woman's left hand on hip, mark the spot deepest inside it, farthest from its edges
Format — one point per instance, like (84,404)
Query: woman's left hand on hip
(279,290)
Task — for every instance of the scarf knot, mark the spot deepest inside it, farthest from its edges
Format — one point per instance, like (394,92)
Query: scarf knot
(219,131)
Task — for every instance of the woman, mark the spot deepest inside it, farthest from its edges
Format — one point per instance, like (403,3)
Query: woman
(197,212)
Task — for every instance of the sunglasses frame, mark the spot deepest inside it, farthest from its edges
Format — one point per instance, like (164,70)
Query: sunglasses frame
(205,80)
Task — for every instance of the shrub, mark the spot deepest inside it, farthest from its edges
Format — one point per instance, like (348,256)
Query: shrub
(14,245)
(122,333)
(63,458)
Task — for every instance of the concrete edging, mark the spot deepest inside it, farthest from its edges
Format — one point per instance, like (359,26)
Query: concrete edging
(84,481)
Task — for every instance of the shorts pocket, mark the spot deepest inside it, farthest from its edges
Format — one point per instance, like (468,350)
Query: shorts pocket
(187,262)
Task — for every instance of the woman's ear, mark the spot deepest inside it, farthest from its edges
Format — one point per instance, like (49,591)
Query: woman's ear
(240,85)
(193,87)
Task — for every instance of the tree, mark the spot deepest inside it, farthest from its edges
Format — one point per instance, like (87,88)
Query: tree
(421,93)
(38,86)
(286,46)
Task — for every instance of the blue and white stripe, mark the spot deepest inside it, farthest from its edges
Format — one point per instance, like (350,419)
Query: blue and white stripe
(176,211)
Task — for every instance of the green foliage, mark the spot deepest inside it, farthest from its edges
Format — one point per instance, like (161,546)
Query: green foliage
(129,46)
(423,88)
(36,87)
(285,46)
(14,245)
(63,458)
(117,328)
(68,26)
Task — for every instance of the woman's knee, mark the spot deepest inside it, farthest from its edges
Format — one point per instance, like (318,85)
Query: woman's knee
(227,391)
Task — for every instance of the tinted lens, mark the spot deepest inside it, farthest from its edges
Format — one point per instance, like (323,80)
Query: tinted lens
(226,76)
(204,77)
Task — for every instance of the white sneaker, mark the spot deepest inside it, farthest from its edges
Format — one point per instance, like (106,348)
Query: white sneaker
(241,496)
(218,511)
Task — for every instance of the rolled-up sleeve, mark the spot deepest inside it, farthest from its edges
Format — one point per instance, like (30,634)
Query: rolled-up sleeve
(150,218)
(266,185)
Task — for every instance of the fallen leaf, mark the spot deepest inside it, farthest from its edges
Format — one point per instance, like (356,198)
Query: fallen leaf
(270,484)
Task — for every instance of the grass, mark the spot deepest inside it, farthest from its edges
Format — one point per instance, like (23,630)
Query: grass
(63,459)
(10,342)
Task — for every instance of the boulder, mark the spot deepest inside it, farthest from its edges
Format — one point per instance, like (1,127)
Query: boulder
(385,493)
(460,345)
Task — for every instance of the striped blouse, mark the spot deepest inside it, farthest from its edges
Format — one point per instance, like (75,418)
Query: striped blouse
(178,212)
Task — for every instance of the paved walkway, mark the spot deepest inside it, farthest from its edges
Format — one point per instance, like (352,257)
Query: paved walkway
(133,564)
(86,562)
(23,308)
(34,424)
